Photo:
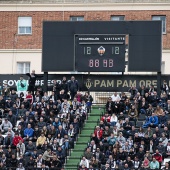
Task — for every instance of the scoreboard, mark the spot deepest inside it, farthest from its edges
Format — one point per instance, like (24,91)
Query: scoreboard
(100,53)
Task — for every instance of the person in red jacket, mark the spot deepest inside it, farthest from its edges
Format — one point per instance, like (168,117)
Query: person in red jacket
(98,132)
(16,140)
(106,119)
(158,156)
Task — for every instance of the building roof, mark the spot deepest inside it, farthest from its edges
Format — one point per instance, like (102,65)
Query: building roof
(80,1)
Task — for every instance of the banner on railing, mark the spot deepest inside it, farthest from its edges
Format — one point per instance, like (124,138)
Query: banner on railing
(94,82)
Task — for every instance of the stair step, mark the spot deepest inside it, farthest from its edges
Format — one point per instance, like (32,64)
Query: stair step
(81,142)
(70,167)
(97,115)
(82,149)
(83,139)
(75,157)
(92,121)
(80,146)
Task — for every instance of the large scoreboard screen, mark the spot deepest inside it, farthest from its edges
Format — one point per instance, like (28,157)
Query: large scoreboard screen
(100,53)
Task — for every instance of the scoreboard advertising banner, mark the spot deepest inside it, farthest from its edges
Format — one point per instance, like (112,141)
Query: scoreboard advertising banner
(104,83)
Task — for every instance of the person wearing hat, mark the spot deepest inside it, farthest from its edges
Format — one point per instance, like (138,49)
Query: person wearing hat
(22,86)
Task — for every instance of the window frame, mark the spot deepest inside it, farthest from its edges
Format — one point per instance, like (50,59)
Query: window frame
(71,17)
(24,25)
(121,17)
(160,19)
(24,67)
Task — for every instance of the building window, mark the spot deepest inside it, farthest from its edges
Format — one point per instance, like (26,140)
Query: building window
(163,19)
(24,25)
(76,18)
(23,67)
(117,18)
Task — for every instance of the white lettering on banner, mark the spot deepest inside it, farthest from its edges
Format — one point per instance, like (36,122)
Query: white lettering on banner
(37,83)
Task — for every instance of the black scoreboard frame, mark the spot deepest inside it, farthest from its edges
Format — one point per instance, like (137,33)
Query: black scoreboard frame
(144,52)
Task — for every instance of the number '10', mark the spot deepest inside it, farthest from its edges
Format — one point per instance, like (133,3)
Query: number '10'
(105,63)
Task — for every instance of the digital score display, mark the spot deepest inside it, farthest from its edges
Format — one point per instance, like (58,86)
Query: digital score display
(100,53)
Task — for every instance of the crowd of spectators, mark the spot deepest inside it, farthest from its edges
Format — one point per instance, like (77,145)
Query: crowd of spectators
(36,130)
(133,134)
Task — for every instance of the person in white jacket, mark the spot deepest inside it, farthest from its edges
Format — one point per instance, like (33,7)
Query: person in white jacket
(84,162)
(113,120)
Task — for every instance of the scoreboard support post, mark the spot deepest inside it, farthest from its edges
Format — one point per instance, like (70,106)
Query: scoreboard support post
(158,83)
(45,82)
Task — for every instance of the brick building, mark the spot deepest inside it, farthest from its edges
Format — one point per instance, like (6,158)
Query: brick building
(21,25)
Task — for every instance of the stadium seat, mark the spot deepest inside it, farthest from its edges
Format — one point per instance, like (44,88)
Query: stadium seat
(139,124)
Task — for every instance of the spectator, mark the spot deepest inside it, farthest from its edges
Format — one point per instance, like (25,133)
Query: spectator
(30,149)
(88,154)
(46,156)
(127,125)
(26,103)
(64,85)
(152,89)
(106,119)
(20,167)
(21,147)
(40,141)
(98,132)
(152,122)
(154,164)
(11,118)
(5,125)
(8,105)
(133,91)
(133,113)
(16,139)
(5,91)
(32,80)
(115,97)
(60,154)
(111,139)
(28,133)
(162,120)
(166,166)
(164,87)
(73,87)
(158,157)
(110,106)
(146,163)
(22,111)
(8,140)
(88,100)
(84,162)
(113,120)
(154,99)
(41,123)
(22,86)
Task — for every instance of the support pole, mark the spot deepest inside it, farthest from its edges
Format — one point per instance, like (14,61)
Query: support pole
(89,88)
(159,83)
(45,81)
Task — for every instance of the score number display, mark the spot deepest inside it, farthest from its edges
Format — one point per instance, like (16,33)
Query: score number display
(100,53)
